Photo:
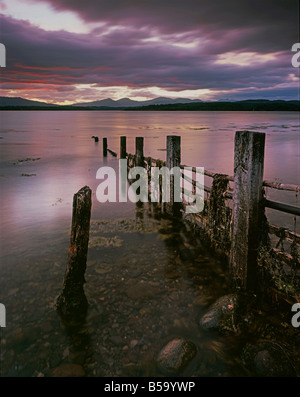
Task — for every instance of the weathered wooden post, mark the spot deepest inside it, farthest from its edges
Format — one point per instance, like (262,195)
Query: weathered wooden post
(123,152)
(72,300)
(139,151)
(104,147)
(139,161)
(248,210)
(173,160)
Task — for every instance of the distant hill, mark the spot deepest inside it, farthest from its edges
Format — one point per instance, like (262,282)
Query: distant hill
(157,104)
(17,101)
(103,103)
(126,102)
(247,105)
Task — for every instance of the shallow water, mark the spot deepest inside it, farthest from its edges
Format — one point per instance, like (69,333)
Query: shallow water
(148,279)
(145,282)
(45,157)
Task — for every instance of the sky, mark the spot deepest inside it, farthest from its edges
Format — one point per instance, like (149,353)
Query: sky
(73,51)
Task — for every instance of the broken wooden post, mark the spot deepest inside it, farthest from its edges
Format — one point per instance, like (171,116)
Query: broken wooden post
(72,300)
(104,147)
(112,152)
(248,209)
(139,151)
(123,147)
(173,160)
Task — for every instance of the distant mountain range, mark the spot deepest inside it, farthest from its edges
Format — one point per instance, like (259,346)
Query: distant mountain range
(10,103)
(109,103)
(126,102)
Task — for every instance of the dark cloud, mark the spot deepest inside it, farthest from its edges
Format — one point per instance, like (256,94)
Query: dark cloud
(152,43)
(263,24)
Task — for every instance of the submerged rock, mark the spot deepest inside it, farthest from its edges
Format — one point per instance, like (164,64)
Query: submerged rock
(141,290)
(268,359)
(176,355)
(222,315)
(68,370)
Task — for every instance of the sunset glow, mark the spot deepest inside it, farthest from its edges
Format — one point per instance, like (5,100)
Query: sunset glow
(70,52)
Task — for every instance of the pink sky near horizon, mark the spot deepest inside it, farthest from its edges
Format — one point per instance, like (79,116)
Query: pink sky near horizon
(63,51)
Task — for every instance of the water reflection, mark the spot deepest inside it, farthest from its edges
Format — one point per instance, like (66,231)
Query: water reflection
(149,278)
(69,158)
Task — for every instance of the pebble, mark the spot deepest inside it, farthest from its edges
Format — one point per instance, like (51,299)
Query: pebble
(66,353)
(116,340)
(133,343)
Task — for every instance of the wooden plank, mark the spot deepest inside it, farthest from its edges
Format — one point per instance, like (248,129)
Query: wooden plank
(289,209)
(288,235)
(282,186)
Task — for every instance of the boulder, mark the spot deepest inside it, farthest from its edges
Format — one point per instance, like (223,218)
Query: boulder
(174,357)
(267,359)
(222,315)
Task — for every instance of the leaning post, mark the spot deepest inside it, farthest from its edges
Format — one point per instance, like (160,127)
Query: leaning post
(248,208)
(72,300)
(173,160)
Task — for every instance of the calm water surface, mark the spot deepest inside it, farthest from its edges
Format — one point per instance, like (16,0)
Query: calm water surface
(147,280)
(47,156)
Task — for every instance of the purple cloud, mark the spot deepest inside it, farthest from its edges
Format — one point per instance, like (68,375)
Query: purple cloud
(269,25)
(196,46)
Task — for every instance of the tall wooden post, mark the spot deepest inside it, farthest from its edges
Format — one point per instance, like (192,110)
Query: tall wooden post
(72,300)
(123,152)
(173,160)
(139,151)
(248,207)
(104,147)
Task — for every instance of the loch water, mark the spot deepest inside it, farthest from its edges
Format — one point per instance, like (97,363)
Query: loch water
(148,279)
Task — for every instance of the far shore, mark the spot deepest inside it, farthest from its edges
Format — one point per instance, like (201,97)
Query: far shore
(274,106)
